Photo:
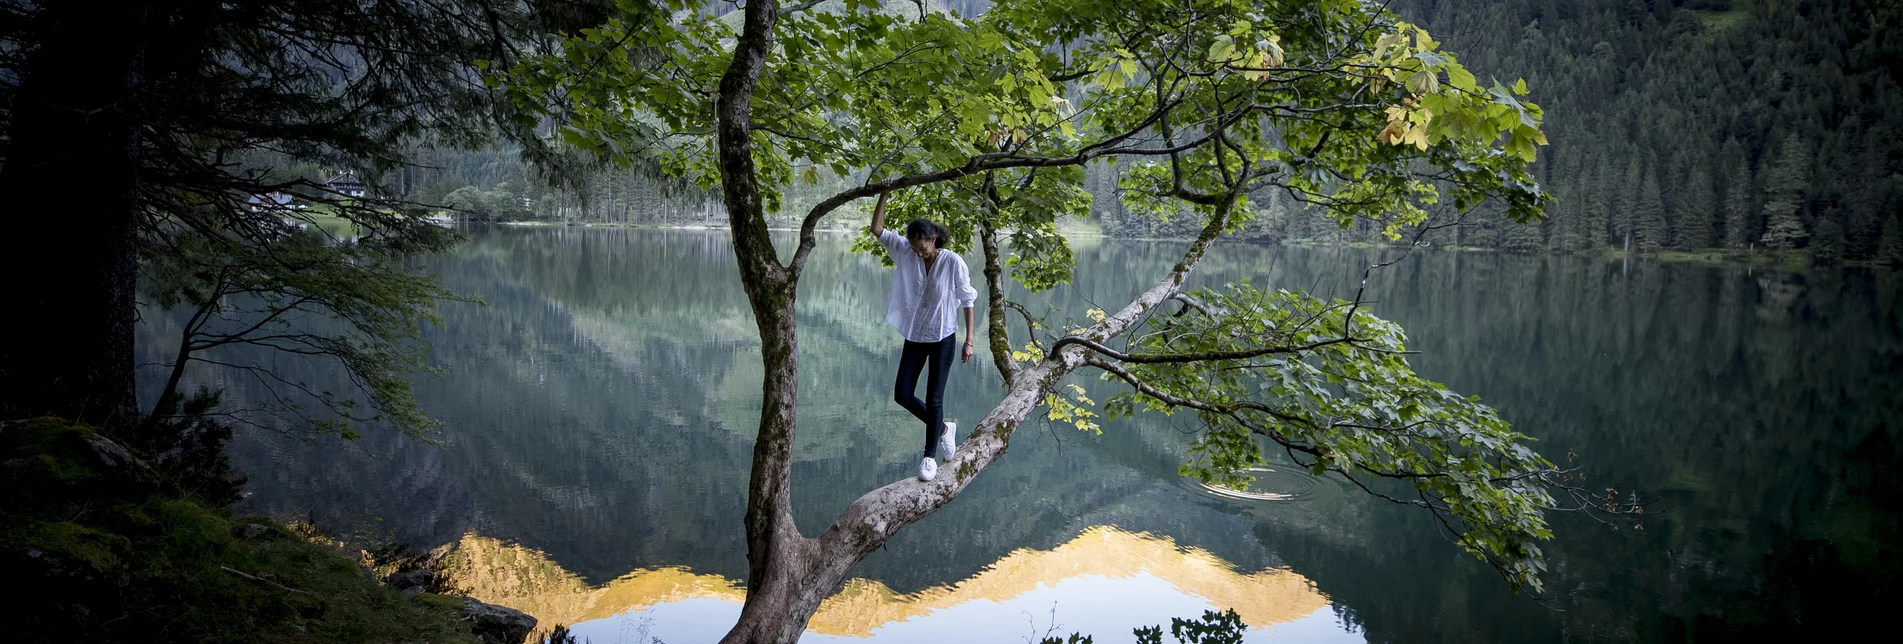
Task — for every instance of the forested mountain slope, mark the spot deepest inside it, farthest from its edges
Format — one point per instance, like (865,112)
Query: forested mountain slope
(1674,124)
(1685,124)
(1705,123)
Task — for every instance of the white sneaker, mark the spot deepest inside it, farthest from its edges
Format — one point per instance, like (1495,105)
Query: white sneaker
(946,448)
(927,469)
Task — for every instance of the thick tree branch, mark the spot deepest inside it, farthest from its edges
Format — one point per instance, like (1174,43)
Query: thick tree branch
(1006,160)
(1205,356)
(808,4)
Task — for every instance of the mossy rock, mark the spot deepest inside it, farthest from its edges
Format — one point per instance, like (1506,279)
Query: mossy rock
(47,464)
(98,549)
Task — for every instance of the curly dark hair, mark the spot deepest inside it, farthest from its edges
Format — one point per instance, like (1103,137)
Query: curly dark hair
(925,229)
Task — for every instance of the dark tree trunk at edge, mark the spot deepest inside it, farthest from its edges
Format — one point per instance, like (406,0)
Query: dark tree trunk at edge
(71,171)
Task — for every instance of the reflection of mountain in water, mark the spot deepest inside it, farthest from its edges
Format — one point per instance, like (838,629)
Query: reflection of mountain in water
(528,580)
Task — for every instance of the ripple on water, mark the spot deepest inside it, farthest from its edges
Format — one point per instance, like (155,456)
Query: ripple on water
(1271,485)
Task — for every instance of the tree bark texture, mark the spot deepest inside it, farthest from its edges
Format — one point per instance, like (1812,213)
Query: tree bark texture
(780,597)
(72,171)
(995,323)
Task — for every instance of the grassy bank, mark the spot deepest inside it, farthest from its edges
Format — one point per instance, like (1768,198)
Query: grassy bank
(1790,259)
(1069,226)
(1085,234)
(106,550)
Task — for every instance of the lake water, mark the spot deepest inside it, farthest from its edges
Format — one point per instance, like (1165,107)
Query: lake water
(598,408)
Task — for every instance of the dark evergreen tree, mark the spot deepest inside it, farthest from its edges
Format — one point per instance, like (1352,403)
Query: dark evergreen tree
(1520,237)
(1604,197)
(1782,229)
(1890,247)
(1864,201)
(1786,177)
(1625,210)
(1827,246)
(135,119)
(1693,204)
(1740,211)
(1649,231)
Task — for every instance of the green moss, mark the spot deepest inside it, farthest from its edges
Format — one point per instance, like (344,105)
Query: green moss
(96,548)
(453,605)
(113,555)
(47,456)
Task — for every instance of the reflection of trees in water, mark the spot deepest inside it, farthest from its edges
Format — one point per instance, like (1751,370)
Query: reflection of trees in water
(599,409)
(1745,405)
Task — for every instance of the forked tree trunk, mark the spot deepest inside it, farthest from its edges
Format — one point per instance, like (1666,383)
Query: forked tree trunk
(71,174)
(778,556)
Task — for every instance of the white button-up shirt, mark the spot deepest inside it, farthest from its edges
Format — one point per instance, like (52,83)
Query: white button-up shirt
(923,306)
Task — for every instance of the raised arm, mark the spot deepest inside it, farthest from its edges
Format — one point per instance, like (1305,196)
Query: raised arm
(878,215)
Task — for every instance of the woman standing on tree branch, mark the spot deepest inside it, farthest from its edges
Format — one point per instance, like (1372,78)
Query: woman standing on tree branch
(928,285)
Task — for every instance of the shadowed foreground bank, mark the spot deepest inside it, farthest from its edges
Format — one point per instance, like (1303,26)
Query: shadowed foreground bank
(104,547)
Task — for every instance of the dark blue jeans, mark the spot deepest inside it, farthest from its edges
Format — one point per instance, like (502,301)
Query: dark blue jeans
(916,356)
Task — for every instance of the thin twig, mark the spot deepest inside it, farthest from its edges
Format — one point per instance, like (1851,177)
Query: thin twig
(262,580)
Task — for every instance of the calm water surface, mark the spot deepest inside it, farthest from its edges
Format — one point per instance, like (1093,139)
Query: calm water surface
(598,412)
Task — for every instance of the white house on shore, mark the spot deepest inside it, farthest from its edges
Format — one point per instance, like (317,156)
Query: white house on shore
(347,184)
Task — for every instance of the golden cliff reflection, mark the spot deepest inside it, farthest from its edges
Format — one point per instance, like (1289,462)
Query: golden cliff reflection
(527,580)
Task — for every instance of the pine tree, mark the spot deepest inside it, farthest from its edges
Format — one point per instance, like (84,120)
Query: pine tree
(1626,204)
(1601,204)
(1740,212)
(1863,204)
(1828,245)
(1890,247)
(1522,238)
(1784,195)
(1581,234)
(1566,214)
(1693,204)
(1649,233)
(1782,230)
(1557,216)
(1601,233)
(1570,227)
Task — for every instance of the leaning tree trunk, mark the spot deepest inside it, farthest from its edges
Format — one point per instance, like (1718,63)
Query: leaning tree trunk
(71,170)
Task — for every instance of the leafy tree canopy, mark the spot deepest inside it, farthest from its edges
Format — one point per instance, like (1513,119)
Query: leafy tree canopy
(984,123)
